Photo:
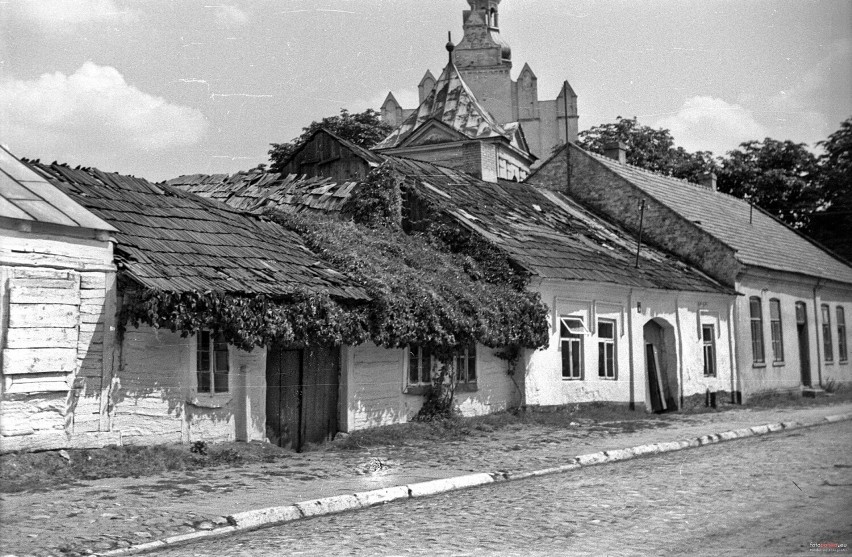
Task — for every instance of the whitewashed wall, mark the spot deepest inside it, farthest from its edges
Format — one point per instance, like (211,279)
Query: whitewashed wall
(789,288)
(373,382)
(630,309)
(155,398)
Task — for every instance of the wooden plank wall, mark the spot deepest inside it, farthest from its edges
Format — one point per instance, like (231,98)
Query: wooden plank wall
(53,365)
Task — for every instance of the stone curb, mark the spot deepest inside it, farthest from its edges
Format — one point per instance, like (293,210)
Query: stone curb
(272,516)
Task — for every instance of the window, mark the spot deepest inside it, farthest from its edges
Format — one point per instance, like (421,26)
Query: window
(775,329)
(606,349)
(708,339)
(421,363)
(465,364)
(826,334)
(756,330)
(419,366)
(571,332)
(842,353)
(212,363)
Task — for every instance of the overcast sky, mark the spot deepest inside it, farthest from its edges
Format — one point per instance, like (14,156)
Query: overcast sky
(163,88)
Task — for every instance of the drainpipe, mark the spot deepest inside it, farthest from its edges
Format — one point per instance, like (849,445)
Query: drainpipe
(732,350)
(631,349)
(679,352)
(818,330)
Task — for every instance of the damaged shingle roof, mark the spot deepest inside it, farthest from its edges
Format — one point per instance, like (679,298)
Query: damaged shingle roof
(258,192)
(546,233)
(758,238)
(549,234)
(173,241)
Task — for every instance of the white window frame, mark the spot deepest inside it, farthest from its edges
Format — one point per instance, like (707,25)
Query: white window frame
(574,340)
(462,375)
(462,361)
(609,372)
(709,345)
(211,370)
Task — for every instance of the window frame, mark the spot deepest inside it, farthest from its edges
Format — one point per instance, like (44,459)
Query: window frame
(756,325)
(776,326)
(463,382)
(709,346)
(217,351)
(418,352)
(842,347)
(605,343)
(572,337)
(462,361)
(827,346)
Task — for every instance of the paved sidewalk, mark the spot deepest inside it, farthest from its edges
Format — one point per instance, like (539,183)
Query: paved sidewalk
(99,516)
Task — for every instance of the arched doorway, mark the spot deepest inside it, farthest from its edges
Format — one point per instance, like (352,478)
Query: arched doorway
(661,365)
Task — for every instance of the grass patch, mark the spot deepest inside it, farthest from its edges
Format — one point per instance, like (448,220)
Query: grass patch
(42,470)
(610,416)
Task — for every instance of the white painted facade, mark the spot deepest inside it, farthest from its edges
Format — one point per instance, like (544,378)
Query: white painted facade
(680,314)
(156,400)
(784,371)
(374,381)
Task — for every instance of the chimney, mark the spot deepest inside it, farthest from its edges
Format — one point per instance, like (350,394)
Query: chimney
(708,180)
(616,150)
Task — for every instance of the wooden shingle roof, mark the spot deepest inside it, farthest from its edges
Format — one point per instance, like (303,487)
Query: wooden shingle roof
(546,233)
(174,241)
(758,238)
(258,192)
(549,234)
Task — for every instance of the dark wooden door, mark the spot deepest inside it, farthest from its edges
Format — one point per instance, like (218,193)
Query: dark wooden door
(320,387)
(302,395)
(283,371)
(804,346)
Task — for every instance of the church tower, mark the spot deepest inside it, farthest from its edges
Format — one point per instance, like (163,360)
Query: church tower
(484,61)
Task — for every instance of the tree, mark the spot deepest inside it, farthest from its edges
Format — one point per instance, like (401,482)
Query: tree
(364,129)
(648,148)
(831,223)
(781,177)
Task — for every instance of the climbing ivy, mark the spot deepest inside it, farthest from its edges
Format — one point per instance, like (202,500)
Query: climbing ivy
(303,317)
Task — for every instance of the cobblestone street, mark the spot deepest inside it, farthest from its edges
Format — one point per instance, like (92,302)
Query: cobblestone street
(772,495)
(95,516)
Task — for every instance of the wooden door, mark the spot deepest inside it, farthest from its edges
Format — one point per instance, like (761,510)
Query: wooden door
(655,385)
(283,371)
(302,395)
(320,387)
(804,346)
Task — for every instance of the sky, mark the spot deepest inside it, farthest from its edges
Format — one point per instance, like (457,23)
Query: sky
(161,88)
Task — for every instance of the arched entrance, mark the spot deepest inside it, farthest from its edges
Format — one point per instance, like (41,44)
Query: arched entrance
(661,365)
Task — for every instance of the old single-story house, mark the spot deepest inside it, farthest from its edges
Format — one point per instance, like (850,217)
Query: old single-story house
(377,386)
(796,297)
(653,334)
(127,246)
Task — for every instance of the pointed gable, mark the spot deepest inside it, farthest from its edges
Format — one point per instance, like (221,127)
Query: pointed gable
(452,103)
